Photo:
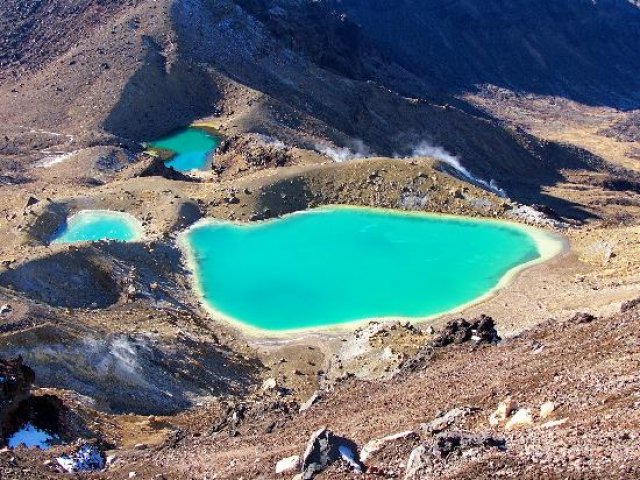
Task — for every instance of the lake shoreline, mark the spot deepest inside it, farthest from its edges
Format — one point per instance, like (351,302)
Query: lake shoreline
(132,229)
(549,245)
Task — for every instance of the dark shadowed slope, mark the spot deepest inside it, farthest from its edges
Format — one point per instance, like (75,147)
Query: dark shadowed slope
(584,50)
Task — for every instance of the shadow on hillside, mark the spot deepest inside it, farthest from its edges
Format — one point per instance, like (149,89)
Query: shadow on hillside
(581,50)
(251,48)
(95,275)
(67,279)
(132,373)
(161,97)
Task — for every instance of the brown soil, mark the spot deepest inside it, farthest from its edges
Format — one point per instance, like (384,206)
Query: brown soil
(587,370)
(118,339)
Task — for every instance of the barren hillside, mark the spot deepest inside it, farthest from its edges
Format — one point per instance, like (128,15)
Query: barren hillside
(525,111)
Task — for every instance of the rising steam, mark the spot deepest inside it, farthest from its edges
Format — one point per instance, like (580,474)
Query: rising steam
(342,154)
(426,149)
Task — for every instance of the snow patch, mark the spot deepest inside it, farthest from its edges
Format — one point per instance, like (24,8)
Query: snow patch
(87,459)
(31,437)
(46,132)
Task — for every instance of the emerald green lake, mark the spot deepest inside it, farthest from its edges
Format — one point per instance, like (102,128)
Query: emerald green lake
(94,225)
(191,146)
(329,266)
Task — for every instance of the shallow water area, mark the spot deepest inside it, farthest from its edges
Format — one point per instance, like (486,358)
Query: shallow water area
(330,266)
(191,146)
(96,225)
(31,437)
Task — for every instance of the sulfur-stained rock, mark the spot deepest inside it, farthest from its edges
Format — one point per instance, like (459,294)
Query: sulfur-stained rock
(522,418)
(504,410)
(546,409)
(289,464)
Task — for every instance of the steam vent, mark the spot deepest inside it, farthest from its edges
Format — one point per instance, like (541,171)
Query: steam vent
(337,239)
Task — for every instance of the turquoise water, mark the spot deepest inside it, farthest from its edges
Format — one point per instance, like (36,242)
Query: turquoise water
(94,225)
(191,146)
(330,266)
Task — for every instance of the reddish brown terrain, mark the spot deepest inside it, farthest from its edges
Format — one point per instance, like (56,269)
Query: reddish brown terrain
(107,346)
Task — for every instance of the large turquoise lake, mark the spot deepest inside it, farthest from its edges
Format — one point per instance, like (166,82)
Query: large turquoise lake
(94,225)
(329,266)
(191,146)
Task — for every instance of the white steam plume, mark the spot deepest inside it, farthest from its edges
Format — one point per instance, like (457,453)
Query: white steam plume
(342,154)
(426,149)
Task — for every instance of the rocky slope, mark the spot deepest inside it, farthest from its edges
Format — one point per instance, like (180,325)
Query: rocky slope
(581,50)
(130,368)
(304,73)
(559,401)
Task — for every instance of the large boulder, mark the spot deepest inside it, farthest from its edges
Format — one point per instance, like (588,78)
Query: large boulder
(479,330)
(323,449)
(372,447)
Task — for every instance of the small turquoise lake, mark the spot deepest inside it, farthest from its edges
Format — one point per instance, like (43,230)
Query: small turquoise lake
(191,147)
(95,225)
(330,266)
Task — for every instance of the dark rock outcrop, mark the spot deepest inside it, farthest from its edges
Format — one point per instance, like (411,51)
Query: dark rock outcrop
(155,167)
(481,330)
(630,305)
(323,449)
(430,458)
(582,317)
(456,443)
(15,383)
